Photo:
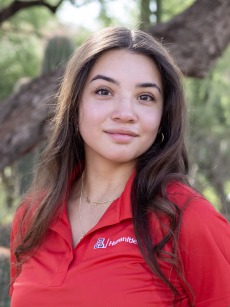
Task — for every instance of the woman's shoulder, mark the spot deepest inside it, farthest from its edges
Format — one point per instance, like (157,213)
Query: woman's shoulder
(177,190)
(199,216)
(188,198)
(201,223)
(204,246)
(24,214)
(19,216)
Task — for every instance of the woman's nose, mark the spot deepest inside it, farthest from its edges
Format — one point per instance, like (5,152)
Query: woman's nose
(124,110)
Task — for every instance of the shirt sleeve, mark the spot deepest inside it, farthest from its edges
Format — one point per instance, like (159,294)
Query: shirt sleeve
(204,244)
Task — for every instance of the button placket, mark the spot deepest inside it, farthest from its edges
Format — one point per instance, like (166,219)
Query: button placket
(60,275)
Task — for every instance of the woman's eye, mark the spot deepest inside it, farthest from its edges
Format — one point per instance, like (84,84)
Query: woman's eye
(103,92)
(146,97)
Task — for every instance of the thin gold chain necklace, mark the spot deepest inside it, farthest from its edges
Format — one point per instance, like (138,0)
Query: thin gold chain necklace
(79,211)
(95,202)
(83,231)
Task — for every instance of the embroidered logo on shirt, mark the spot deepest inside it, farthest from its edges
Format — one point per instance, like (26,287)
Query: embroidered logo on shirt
(103,243)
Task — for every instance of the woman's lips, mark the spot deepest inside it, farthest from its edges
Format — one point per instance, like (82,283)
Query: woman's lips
(121,135)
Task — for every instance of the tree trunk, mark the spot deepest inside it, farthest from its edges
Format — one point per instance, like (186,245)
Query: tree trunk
(23,117)
(197,37)
(145,13)
(17,6)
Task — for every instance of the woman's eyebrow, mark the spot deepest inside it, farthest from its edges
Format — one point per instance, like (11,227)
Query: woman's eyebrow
(149,84)
(144,84)
(103,77)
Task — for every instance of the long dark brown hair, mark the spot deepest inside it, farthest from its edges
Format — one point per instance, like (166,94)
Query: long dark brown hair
(165,161)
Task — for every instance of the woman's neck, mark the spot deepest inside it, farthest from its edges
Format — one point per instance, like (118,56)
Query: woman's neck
(106,180)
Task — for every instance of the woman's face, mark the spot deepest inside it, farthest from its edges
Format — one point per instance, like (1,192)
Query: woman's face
(121,107)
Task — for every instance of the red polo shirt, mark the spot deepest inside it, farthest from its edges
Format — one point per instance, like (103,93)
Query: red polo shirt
(106,268)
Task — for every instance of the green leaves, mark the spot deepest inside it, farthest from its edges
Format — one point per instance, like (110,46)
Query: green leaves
(209,131)
(21,47)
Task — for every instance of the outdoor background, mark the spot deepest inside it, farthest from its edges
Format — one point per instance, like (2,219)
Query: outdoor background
(38,37)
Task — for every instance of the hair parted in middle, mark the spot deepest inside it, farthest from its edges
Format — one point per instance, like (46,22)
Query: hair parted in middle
(164,161)
(173,118)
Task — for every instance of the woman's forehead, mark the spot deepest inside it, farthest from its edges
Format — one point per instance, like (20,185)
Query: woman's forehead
(125,64)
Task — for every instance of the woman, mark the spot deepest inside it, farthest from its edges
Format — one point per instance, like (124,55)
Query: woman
(110,219)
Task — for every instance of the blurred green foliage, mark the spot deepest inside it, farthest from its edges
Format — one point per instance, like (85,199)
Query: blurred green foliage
(173,7)
(209,136)
(155,11)
(4,281)
(21,46)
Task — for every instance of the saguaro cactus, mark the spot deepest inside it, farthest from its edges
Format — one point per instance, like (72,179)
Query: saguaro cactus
(57,52)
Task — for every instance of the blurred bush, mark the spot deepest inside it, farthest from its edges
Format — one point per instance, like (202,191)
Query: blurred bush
(4,265)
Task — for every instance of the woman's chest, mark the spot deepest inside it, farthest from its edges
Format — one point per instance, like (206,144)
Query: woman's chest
(105,269)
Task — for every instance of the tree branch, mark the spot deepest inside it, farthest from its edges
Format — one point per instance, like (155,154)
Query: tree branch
(197,37)
(19,5)
(24,114)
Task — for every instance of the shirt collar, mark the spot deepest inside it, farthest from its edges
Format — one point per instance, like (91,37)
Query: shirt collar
(118,211)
